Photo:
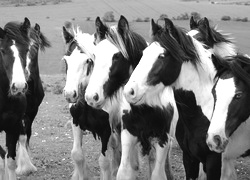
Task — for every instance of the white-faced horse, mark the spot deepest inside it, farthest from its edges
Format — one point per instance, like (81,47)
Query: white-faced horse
(79,64)
(222,47)
(175,59)
(115,58)
(14,46)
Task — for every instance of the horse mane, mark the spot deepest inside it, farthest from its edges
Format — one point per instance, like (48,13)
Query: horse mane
(14,32)
(84,41)
(181,47)
(41,41)
(129,43)
(236,65)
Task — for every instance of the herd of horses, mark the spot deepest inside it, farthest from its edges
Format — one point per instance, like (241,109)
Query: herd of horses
(133,95)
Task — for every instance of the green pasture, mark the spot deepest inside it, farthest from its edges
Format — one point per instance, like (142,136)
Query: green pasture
(51,18)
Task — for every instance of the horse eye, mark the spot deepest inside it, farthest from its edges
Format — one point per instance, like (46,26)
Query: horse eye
(238,95)
(162,55)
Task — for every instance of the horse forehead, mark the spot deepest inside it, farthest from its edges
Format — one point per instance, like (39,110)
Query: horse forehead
(225,88)
(193,32)
(105,49)
(153,50)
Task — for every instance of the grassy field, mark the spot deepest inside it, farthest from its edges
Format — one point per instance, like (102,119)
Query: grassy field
(52,17)
(49,133)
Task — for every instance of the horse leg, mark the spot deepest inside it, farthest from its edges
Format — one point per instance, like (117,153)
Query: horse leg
(161,156)
(104,164)
(191,166)
(24,164)
(80,169)
(2,165)
(10,163)
(228,170)
(126,171)
(115,144)
(213,166)
(151,162)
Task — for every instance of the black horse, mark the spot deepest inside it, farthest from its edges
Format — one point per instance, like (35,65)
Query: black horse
(34,96)
(14,46)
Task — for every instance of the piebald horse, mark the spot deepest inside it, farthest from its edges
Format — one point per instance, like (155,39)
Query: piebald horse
(79,64)
(116,55)
(176,60)
(14,46)
(34,96)
(222,47)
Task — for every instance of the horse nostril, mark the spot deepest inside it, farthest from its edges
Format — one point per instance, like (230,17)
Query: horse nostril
(217,140)
(74,94)
(132,92)
(26,86)
(96,97)
(13,87)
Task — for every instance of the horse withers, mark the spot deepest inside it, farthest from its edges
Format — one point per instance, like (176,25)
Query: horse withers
(14,46)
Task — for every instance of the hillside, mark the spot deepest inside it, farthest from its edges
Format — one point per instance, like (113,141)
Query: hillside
(51,18)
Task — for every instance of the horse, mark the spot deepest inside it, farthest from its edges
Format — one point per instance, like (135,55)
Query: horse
(223,48)
(34,97)
(14,46)
(175,59)
(231,106)
(79,65)
(116,55)
(219,44)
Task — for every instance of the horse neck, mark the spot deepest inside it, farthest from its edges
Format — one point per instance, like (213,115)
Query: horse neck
(199,79)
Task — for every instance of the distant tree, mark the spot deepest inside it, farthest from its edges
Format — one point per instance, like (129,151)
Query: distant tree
(163,16)
(109,17)
(196,15)
(225,18)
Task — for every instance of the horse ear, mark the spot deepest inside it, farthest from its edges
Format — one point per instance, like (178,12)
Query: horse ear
(67,36)
(123,24)
(26,25)
(37,28)
(154,28)
(101,29)
(2,33)
(169,25)
(206,27)
(193,24)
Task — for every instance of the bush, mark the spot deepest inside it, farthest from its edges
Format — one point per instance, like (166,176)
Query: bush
(245,19)
(196,15)
(163,16)
(226,18)
(88,18)
(139,20)
(109,17)
(147,19)
(184,16)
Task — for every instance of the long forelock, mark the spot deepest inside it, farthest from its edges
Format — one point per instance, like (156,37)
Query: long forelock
(115,38)
(175,48)
(13,31)
(85,41)
(232,65)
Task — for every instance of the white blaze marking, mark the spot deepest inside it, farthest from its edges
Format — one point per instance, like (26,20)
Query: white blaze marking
(225,91)
(18,76)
